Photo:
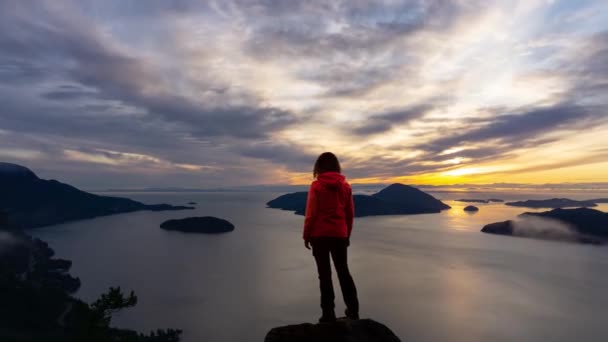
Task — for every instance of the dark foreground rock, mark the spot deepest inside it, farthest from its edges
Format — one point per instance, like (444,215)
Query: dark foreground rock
(396,199)
(32,202)
(205,224)
(364,330)
(575,225)
(552,203)
(471,208)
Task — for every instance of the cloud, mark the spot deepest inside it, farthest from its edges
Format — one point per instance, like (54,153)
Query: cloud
(380,123)
(266,85)
(517,130)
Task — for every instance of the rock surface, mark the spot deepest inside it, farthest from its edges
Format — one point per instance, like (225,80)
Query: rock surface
(396,199)
(471,208)
(205,224)
(343,330)
(552,203)
(32,202)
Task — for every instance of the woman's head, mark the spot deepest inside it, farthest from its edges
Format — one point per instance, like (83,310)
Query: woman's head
(327,162)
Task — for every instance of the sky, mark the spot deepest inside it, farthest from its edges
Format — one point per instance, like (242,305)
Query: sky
(131,94)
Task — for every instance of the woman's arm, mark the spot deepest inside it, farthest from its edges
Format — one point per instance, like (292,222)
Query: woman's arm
(311,212)
(349,211)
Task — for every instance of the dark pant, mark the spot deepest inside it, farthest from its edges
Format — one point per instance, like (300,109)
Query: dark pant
(322,247)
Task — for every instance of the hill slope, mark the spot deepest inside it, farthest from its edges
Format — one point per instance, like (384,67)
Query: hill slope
(33,202)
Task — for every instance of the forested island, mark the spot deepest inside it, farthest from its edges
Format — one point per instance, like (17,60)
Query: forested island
(205,224)
(395,199)
(576,225)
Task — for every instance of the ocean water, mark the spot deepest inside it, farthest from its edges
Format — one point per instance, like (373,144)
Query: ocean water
(431,277)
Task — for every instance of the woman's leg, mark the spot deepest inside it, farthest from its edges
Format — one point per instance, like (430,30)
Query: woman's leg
(349,291)
(320,250)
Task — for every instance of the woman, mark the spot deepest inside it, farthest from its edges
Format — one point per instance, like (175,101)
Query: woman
(327,227)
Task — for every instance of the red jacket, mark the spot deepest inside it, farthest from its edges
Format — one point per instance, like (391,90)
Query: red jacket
(329,207)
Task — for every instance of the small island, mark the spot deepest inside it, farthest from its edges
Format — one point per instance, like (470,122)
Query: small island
(364,330)
(471,208)
(205,224)
(191,203)
(395,199)
(500,228)
(552,203)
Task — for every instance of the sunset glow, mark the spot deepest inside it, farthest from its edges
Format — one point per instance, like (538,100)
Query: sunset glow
(235,92)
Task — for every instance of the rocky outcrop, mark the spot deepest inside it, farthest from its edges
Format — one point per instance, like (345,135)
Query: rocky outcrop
(32,202)
(343,330)
(205,224)
(471,208)
(396,199)
(552,203)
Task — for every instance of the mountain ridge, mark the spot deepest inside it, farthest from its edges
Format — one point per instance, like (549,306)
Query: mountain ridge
(32,202)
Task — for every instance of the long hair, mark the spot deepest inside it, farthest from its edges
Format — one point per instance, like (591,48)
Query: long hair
(327,162)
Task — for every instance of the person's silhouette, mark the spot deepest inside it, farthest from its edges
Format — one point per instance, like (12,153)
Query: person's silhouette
(327,227)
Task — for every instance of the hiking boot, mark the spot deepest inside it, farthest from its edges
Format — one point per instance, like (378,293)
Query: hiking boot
(351,315)
(328,317)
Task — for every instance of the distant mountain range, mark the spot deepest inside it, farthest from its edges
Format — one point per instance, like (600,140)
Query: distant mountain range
(476,200)
(374,187)
(31,202)
(396,199)
(553,203)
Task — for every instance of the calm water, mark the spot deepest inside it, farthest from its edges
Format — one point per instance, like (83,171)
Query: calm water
(428,277)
